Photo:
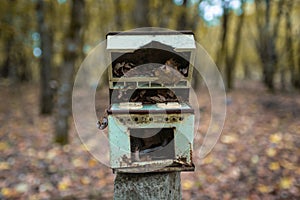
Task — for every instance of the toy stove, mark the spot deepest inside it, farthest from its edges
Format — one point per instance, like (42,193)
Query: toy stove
(150,120)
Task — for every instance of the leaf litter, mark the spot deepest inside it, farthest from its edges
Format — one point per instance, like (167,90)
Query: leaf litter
(257,156)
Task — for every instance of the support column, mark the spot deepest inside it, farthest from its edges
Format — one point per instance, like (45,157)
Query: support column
(147,186)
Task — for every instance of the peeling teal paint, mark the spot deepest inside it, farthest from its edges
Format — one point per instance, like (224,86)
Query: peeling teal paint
(121,156)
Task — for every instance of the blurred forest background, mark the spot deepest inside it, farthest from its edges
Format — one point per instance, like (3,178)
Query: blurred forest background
(255,44)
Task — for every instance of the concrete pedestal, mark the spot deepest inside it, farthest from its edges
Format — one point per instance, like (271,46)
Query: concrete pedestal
(147,186)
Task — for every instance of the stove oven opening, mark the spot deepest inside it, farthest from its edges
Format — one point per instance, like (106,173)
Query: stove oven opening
(147,144)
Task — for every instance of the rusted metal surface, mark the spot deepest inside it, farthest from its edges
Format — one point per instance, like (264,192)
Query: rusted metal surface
(133,119)
(151,168)
(191,153)
(157,166)
(125,160)
(169,111)
(182,160)
(151,109)
(123,128)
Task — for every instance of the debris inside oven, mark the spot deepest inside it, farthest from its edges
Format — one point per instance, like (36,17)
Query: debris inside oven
(152,144)
(154,96)
(151,62)
(168,73)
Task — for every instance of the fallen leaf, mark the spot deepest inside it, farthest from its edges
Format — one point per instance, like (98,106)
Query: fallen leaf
(187,185)
(66,148)
(45,187)
(207,160)
(264,188)
(85,180)
(298,171)
(286,182)
(255,159)
(78,162)
(52,154)
(275,138)
(231,158)
(4,166)
(52,168)
(41,154)
(274,166)
(287,165)
(8,192)
(64,184)
(271,152)
(234,172)
(31,152)
(22,187)
(92,162)
(229,139)
(3,146)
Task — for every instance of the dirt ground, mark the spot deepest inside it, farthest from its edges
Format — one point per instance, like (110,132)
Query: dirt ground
(256,157)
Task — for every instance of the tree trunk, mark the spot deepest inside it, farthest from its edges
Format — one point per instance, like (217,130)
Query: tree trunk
(282,67)
(147,186)
(182,19)
(141,13)
(278,18)
(71,52)
(265,45)
(247,71)
(289,43)
(269,70)
(9,68)
(232,59)
(46,93)
(297,81)
(24,73)
(222,52)
(164,10)
(188,17)
(118,15)
(5,71)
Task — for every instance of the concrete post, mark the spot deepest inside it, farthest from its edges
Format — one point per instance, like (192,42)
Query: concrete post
(147,186)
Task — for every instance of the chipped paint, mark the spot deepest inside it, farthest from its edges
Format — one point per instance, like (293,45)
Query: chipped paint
(191,152)
(119,134)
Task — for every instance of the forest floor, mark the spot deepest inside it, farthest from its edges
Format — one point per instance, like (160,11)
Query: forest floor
(256,157)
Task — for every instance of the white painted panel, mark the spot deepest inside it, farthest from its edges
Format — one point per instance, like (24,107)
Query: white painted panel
(131,42)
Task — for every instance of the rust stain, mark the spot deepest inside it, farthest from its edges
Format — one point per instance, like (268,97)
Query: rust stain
(191,153)
(126,160)
(182,160)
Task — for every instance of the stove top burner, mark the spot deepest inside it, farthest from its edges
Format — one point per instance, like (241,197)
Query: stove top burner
(131,105)
(168,105)
(139,105)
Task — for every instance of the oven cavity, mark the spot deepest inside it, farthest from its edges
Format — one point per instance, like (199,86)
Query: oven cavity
(152,144)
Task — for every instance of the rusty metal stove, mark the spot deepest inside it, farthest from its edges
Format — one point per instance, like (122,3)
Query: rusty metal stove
(150,120)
